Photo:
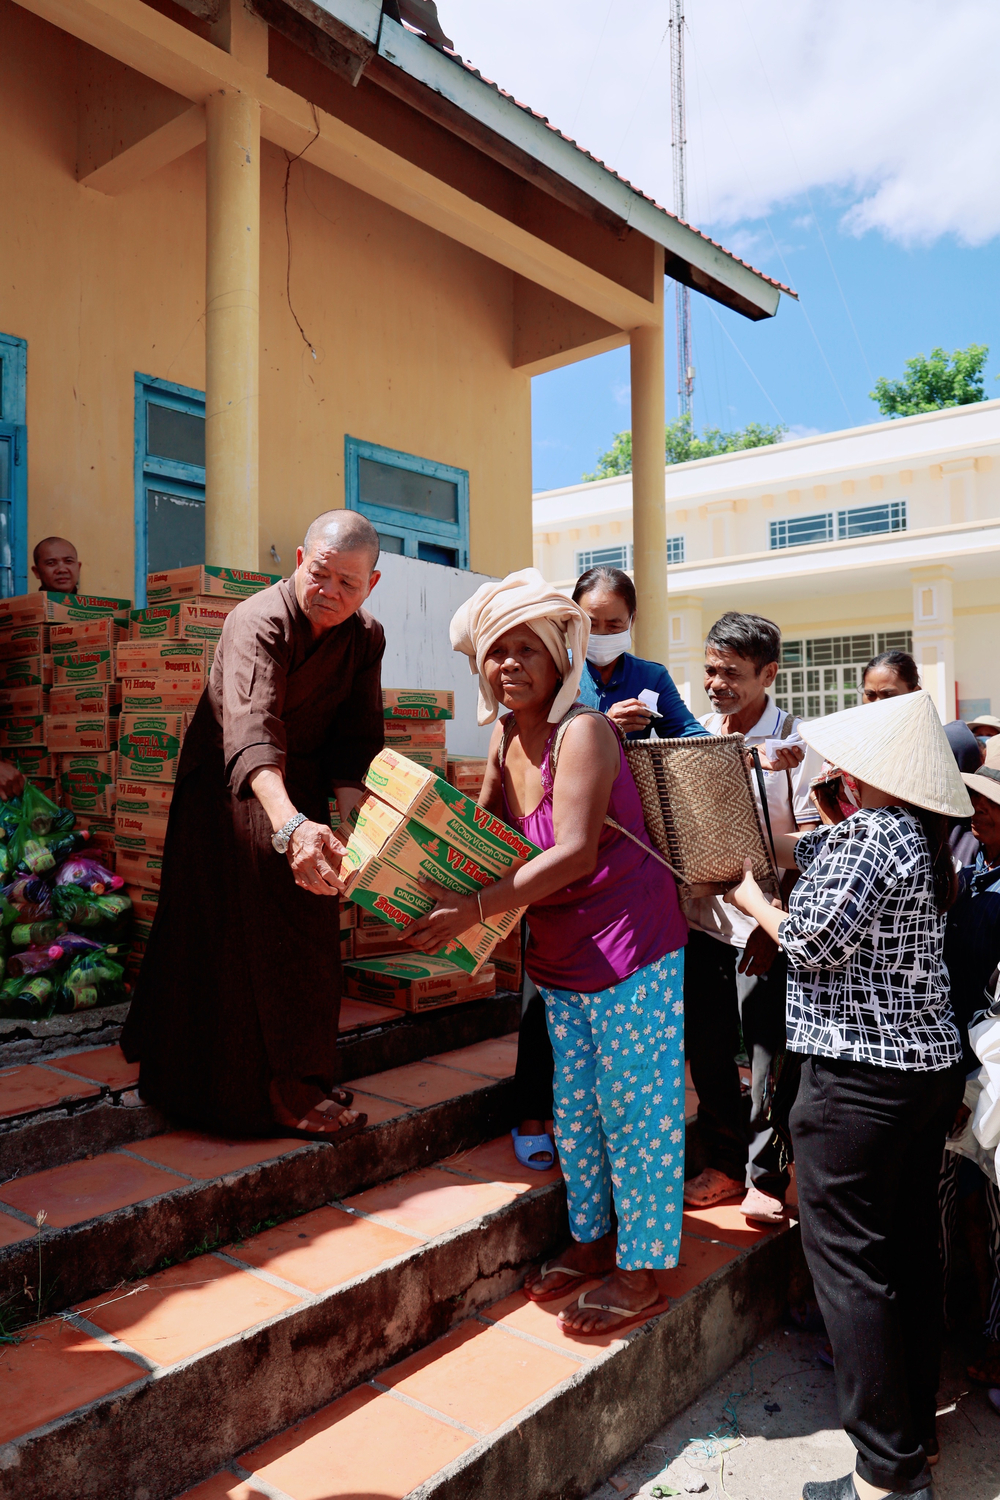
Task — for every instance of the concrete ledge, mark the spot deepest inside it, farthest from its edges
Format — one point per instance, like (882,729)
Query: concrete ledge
(66,1132)
(565,1444)
(174,1426)
(84,1259)
(24,1041)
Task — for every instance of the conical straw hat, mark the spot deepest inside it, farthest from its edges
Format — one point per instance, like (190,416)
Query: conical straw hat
(897,745)
(987,779)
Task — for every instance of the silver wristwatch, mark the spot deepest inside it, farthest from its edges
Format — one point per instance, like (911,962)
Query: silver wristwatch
(283,837)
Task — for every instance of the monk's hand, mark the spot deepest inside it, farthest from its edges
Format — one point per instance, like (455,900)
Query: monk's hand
(630,715)
(11,781)
(452,914)
(314,854)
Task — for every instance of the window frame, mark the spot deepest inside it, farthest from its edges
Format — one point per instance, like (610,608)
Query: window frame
(780,527)
(14,425)
(187,479)
(677,544)
(583,565)
(412,528)
(896,515)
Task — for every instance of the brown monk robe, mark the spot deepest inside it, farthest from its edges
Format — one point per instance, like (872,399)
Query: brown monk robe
(239,991)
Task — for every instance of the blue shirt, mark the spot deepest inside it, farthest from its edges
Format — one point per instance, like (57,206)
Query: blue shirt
(972,942)
(630,675)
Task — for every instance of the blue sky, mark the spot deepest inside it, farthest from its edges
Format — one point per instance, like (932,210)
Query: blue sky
(882,120)
(901,301)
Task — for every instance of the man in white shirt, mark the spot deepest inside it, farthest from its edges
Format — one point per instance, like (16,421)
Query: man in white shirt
(742,655)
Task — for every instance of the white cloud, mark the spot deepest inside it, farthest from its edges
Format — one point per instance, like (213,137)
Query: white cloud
(893,106)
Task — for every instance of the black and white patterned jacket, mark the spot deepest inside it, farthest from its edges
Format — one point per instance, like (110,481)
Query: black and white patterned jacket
(867,980)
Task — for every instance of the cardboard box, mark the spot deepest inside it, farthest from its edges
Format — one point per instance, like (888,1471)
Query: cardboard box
(24,640)
(183,583)
(382,833)
(141,695)
(85,698)
(147,754)
(83,780)
(348,916)
(33,761)
(24,700)
(81,732)
(201,618)
(100,767)
(89,800)
(415,982)
(139,868)
(172,724)
(376,944)
(506,959)
(173,661)
(27,671)
(404,734)
(22,729)
(440,807)
(143,901)
(400,899)
(146,799)
(418,703)
(84,635)
(89,665)
(140,843)
(25,609)
(435,761)
(467,773)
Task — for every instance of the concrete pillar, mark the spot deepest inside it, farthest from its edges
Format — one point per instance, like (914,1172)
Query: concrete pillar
(232,329)
(934,636)
(687,657)
(649,515)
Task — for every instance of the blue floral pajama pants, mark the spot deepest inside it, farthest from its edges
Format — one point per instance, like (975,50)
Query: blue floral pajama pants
(619,1110)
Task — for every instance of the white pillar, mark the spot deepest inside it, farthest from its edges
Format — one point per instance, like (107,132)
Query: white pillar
(934,636)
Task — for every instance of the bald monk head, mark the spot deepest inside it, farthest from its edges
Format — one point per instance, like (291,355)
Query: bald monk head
(335,568)
(56,565)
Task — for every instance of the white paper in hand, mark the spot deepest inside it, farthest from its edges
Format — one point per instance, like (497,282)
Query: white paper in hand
(651,700)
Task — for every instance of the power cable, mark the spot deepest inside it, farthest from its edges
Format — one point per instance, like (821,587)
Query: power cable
(743,357)
(593,60)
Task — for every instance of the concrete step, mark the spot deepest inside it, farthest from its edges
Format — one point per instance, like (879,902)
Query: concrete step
(123,1213)
(65,1105)
(155,1384)
(506,1405)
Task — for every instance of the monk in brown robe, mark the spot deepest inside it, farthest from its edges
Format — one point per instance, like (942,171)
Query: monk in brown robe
(237,1001)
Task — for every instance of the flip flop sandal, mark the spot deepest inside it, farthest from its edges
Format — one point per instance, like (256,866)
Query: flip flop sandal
(525,1146)
(716,1195)
(549,1268)
(333,1137)
(627,1315)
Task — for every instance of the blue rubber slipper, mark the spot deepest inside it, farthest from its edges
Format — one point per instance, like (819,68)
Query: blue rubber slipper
(525,1146)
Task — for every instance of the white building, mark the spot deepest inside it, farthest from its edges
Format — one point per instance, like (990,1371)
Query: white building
(853,542)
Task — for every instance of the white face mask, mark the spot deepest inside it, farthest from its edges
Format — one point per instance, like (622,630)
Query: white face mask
(602,650)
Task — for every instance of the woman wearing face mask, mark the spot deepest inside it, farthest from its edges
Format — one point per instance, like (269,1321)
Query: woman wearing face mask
(621,685)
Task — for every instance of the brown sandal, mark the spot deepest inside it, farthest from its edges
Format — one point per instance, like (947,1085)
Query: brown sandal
(288,1123)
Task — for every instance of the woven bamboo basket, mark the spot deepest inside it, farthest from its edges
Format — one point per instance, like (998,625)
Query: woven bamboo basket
(700,810)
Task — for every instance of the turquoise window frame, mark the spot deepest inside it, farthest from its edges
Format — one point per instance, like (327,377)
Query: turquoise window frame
(14,425)
(412,529)
(151,470)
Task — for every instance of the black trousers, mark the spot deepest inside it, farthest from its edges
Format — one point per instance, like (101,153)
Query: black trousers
(868,1144)
(718,1002)
(535,1066)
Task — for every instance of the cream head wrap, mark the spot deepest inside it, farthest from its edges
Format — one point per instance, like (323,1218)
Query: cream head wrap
(897,745)
(523,599)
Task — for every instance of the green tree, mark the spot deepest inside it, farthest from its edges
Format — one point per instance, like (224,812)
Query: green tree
(682,444)
(930,384)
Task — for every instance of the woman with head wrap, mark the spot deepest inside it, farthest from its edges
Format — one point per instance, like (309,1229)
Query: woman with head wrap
(606,947)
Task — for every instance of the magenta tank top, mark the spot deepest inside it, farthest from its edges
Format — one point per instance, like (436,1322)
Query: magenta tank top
(625,915)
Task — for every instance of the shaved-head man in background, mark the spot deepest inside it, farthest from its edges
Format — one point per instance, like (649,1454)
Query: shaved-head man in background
(237,1002)
(56,565)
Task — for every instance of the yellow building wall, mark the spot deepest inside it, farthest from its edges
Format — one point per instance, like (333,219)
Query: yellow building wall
(413,332)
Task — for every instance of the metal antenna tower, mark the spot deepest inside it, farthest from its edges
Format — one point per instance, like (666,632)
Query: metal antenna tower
(678,144)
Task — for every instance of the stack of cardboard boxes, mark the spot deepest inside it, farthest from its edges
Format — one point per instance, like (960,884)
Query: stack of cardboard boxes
(58,701)
(413,823)
(162,670)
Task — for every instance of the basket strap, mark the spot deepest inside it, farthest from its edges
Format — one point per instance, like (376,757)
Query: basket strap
(646,849)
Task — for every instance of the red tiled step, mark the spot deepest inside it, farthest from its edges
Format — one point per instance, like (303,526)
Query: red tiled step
(260,1332)
(507,1394)
(123,1211)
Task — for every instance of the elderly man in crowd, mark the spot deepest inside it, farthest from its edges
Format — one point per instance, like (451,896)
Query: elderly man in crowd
(236,1006)
(735,975)
(56,565)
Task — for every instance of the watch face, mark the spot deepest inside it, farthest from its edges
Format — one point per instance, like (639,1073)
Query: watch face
(280,842)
